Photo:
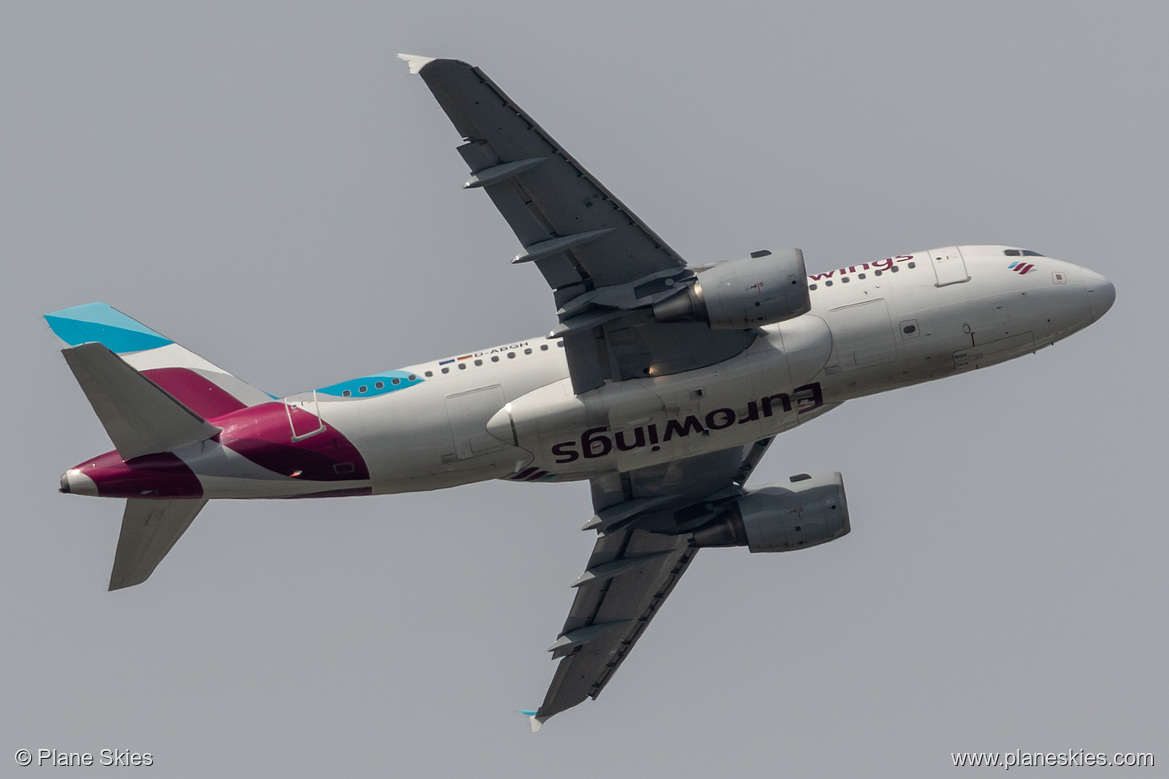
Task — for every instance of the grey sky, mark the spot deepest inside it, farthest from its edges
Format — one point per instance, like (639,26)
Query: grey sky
(268,186)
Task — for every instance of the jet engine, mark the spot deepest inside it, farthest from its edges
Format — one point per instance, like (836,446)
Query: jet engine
(810,511)
(758,290)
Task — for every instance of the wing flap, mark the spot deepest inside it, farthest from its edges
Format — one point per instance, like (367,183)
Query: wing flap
(150,529)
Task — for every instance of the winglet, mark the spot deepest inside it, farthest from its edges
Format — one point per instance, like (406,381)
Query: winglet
(416,61)
(531,714)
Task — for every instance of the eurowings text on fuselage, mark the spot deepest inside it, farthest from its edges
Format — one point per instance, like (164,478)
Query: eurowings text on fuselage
(662,386)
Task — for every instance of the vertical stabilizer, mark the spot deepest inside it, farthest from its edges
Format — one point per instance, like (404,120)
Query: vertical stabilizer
(206,389)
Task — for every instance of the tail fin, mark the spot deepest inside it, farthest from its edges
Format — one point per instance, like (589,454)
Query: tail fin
(151,395)
(149,529)
(206,389)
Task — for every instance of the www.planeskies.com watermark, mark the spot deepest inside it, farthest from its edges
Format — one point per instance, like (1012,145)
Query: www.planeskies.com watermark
(1068,758)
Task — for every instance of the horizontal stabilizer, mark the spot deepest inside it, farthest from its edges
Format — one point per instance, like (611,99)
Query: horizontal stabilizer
(139,416)
(149,529)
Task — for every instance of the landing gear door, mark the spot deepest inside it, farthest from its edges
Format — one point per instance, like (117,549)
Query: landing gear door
(949,267)
(468,413)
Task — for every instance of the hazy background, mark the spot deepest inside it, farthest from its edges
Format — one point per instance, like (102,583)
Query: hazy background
(266,184)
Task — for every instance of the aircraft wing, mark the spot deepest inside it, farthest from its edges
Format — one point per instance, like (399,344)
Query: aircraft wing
(640,554)
(629,575)
(603,263)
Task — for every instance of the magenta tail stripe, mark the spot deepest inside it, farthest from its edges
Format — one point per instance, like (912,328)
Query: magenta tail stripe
(195,391)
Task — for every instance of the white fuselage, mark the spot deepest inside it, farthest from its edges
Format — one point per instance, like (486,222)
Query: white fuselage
(510,412)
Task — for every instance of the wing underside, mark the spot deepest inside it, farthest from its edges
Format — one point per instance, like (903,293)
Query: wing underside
(629,576)
(604,265)
(642,551)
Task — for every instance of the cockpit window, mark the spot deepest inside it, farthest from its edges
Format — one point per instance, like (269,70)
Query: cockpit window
(1023,252)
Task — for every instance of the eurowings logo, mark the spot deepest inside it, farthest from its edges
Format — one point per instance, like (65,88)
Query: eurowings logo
(1020,267)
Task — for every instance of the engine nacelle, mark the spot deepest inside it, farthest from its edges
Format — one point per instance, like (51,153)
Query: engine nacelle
(739,294)
(809,511)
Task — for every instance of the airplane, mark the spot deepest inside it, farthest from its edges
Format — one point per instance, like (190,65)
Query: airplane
(663,385)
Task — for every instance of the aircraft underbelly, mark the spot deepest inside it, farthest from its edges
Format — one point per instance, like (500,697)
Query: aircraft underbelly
(638,423)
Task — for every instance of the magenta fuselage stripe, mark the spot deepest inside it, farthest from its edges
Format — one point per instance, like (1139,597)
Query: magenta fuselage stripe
(263,435)
(151,476)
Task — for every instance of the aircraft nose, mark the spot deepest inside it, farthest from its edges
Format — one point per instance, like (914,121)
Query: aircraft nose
(1101,293)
